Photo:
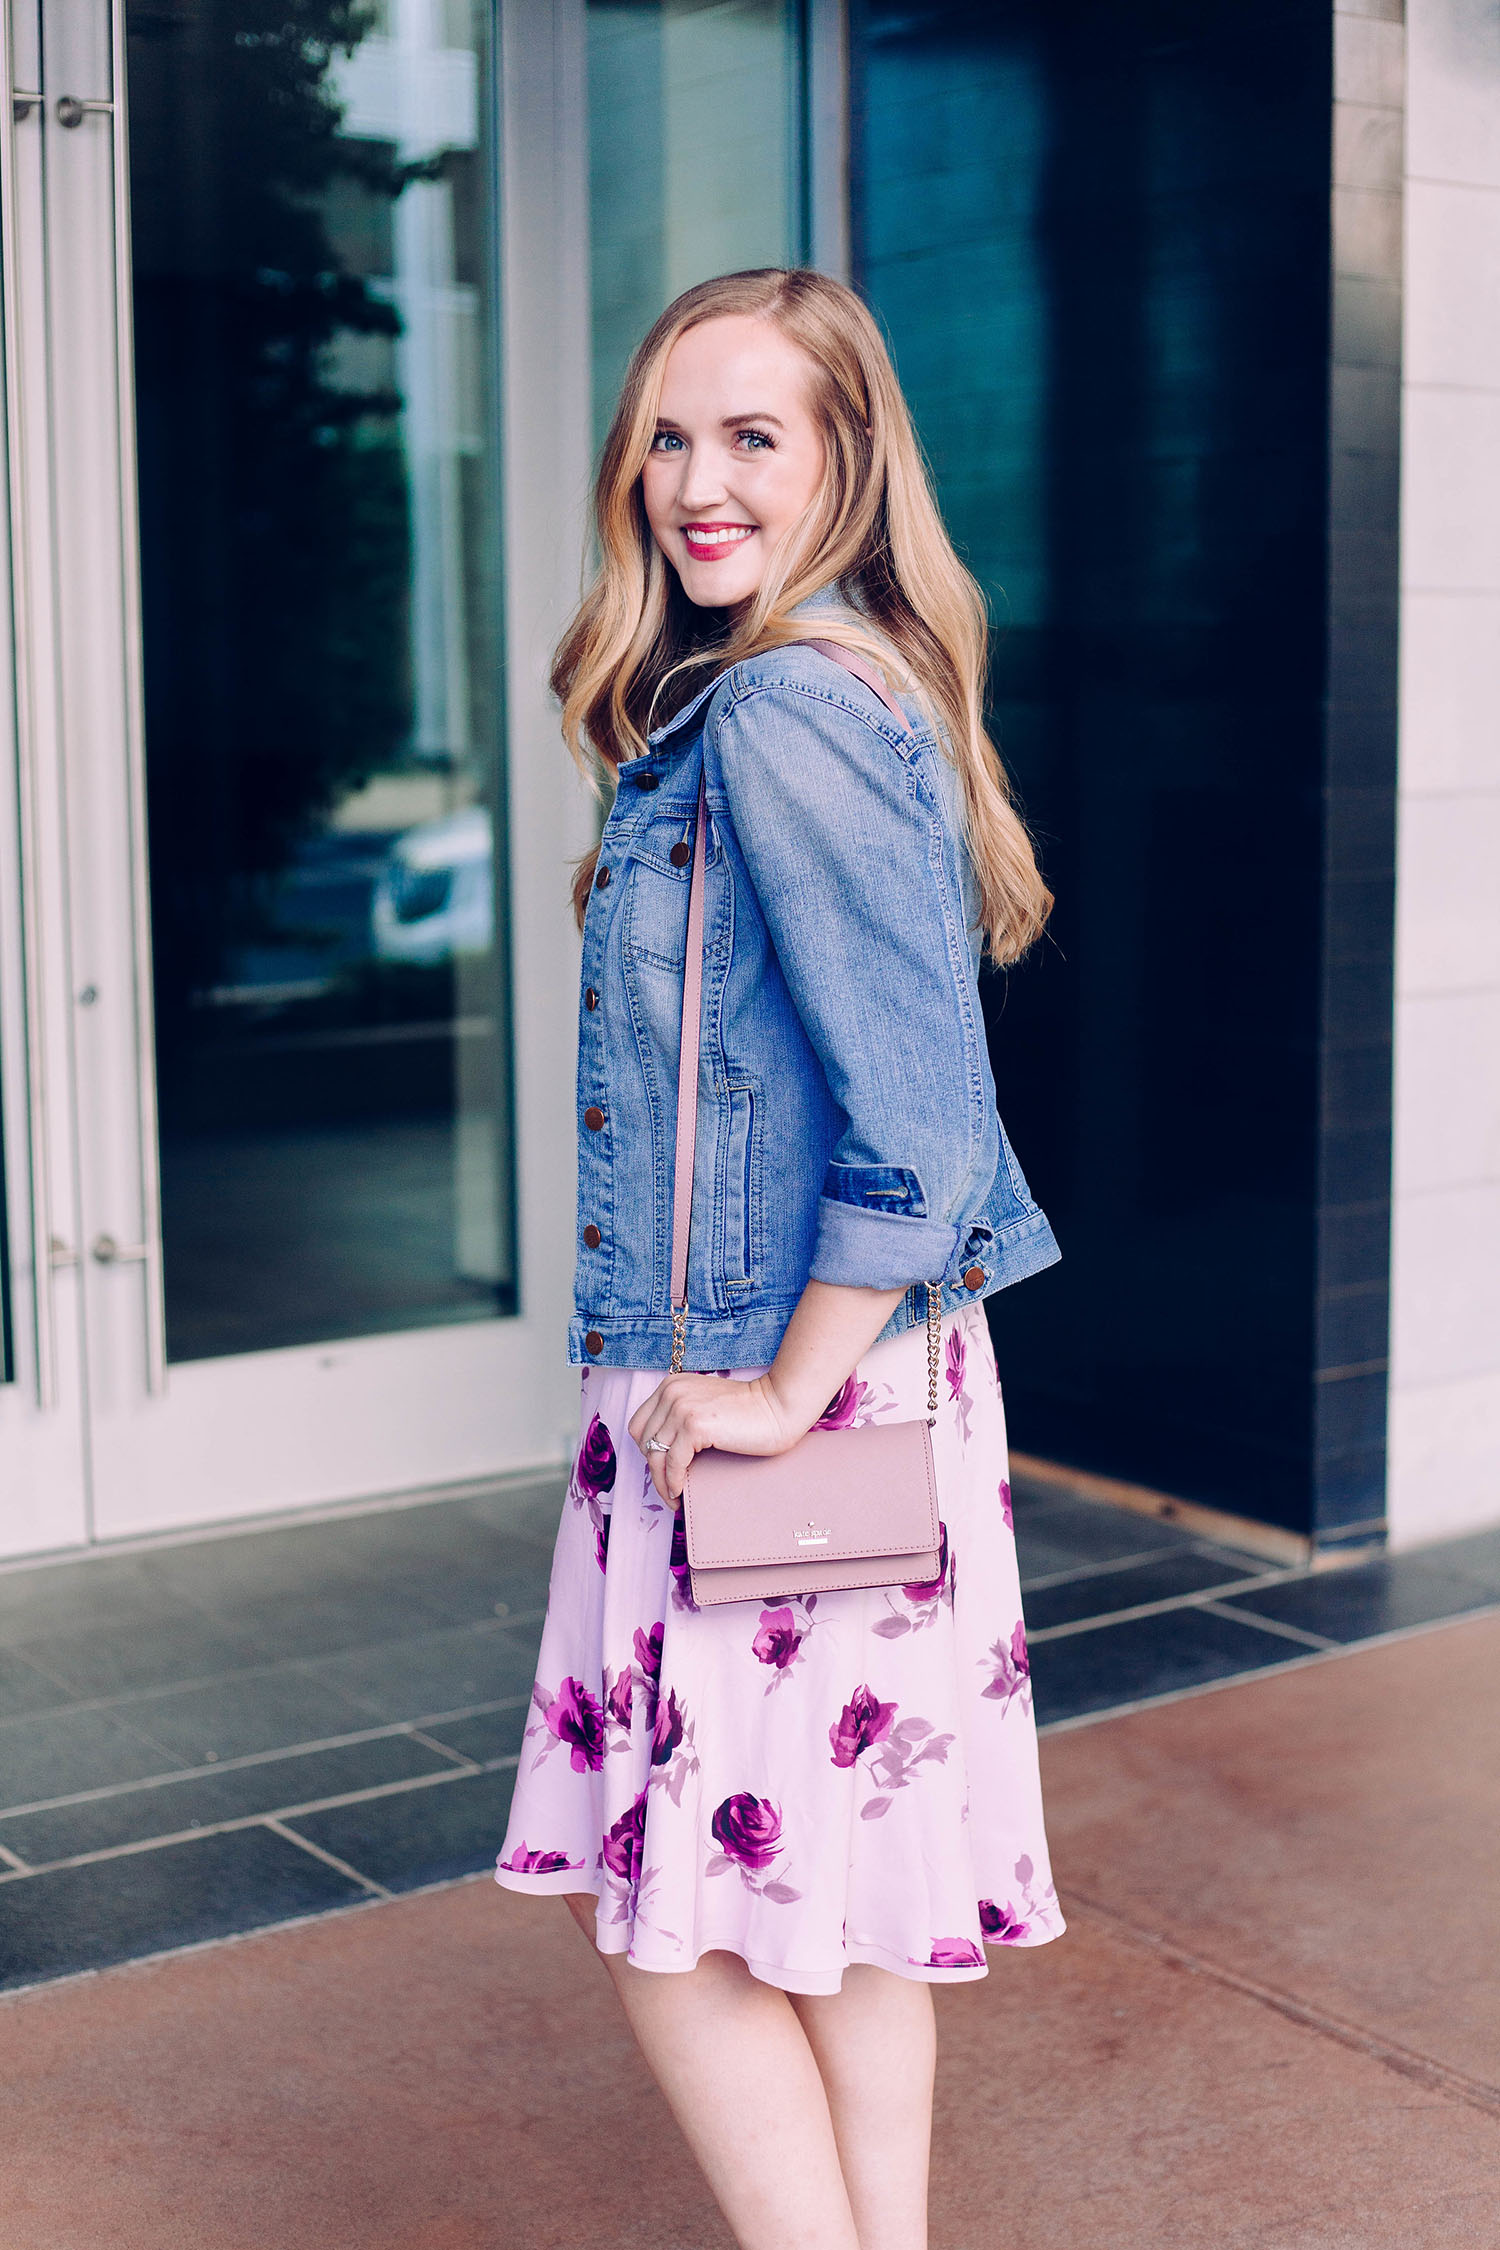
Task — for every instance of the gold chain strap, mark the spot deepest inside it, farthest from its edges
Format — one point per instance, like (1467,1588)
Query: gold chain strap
(934,1333)
(679,1336)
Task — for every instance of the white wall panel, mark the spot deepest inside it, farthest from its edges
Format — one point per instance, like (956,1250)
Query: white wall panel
(1448,893)
(1445,1264)
(1445,1275)
(1442,1458)
(1450,691)
(1447,1124)
(1452,285)
(1453,91)
(1450,517)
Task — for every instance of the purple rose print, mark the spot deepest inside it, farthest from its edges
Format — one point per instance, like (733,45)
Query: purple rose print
(524,1861)
(594,1470)
(648,1664)
(748,1830)
(601,1540)
(955,1953)
(1010,1924)
(666,1734)
(625,1843)
(575,1718)
(923,1599)
(863,1723)
(1006,1510)
(909,1746)
(783,1628)
(930,1588)
(1002,1925)
(957,1362)
(674,1757)
(617,1700)
(842,1408)
(682,1582)
(1011,1674)
(779,1638)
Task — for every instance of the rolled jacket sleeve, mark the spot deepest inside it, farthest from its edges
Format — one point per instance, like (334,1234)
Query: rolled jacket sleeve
(855,875)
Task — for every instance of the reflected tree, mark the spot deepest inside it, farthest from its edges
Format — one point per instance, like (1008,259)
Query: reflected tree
(275,533)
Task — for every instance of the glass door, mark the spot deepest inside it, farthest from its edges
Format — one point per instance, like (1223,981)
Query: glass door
(322,1153)
(43,1456)
(313,304)
(312,317)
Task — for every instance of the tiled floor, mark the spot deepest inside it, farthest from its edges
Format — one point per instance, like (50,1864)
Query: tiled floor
(1274,2024)
(205,1738)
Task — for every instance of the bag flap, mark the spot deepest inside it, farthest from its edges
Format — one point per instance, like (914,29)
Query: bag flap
(866,1491)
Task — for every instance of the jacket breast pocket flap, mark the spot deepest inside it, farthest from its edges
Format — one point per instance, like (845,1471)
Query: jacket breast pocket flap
(660,868)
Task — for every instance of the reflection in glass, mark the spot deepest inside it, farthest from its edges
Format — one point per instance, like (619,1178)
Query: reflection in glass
(313,235)
(695,138)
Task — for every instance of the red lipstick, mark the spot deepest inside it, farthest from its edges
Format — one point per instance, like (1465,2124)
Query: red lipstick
(710,542)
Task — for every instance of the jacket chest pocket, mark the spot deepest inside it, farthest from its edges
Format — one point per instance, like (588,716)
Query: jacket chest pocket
(656,903)
(740,1243)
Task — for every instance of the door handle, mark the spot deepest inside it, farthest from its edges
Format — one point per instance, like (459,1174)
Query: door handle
(105,1251)
(20,102)
(72,109)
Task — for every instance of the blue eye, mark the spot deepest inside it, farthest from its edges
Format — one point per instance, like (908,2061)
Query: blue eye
(759,440)
(664,440)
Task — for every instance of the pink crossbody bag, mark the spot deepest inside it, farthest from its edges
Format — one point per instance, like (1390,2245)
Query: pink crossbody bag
(843,1508)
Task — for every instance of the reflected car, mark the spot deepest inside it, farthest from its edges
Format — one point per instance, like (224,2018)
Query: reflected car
(434,897)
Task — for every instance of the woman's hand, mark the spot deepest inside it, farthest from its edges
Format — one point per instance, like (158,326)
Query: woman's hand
(686,1413)
(830,1330)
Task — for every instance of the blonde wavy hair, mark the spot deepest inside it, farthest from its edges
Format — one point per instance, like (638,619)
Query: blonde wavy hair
(874,531)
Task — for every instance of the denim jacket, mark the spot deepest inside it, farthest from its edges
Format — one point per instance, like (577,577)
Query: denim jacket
(847,1124)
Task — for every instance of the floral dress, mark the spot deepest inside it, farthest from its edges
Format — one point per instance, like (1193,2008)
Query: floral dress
(846,1777)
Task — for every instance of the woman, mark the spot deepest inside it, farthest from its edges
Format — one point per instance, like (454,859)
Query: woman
(783,1821)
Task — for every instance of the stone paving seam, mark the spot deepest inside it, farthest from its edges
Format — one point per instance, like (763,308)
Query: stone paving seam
(431,1742)
(1218,1607)
(1409,2062)
(316,1851)
(387,1728)
(135,1845)
(1264,1671)
(12,1859)
(287,1665)
(1078,1572)
(543,1475)
(43,1987)
(1202,1599)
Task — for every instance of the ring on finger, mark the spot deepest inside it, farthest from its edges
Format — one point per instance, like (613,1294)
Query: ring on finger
(657,1445)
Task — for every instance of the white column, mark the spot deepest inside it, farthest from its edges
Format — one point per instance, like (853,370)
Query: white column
(1445,1318)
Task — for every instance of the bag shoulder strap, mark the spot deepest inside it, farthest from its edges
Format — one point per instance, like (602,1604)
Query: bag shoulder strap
(692,1011)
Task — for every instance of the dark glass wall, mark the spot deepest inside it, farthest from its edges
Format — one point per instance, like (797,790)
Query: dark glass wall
(1098,235)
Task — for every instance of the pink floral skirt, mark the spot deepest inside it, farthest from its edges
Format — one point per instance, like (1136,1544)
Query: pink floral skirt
(850,1777)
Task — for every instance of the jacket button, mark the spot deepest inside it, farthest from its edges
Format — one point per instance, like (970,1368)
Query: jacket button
(592,1237)
(593,1118)
(601,879)
(593,1342)
(680,854)
(590,998)
(974,1278)
(648,781)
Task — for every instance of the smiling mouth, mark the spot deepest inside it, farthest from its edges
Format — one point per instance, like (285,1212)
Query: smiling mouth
(706,542)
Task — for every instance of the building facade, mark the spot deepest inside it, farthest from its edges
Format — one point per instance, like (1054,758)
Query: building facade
(313,318)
